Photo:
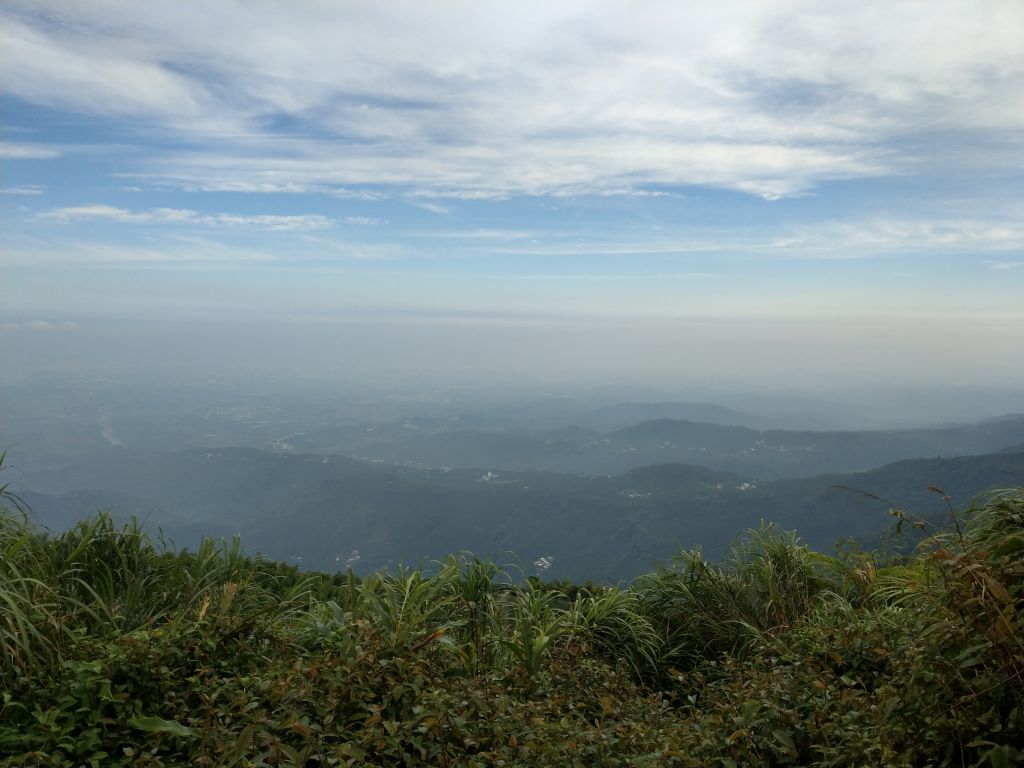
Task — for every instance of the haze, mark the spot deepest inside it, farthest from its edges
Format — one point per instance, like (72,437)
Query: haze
(761,196)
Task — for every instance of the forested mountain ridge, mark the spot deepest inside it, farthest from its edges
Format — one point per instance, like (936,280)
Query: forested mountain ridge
(329,512)
(765,455)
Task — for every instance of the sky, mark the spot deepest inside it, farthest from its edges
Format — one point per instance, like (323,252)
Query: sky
(770,190)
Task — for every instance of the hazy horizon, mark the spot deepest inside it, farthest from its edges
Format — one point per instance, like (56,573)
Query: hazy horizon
(784,196)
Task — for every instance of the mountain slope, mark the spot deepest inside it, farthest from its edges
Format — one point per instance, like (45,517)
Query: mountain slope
(767,455)
(327,512)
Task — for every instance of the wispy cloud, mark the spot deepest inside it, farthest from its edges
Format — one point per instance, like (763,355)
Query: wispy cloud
(14,150)
(75,65)
(434,208)
(479,234)
(98,212)
(483,101)
(458,194)
(907,235)
(353,194)
(199,249)
(40,325)
(184,253)
(868,237)
(1003,266)
(27,189)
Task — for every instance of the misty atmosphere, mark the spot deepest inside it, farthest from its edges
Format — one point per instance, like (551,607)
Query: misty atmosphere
(374,477)
(694,338)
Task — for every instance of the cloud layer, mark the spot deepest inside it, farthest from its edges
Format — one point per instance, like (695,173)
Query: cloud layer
(635,168)
(100,212)
(478,100)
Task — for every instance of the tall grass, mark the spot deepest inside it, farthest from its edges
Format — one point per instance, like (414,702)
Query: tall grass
(768,582)
(103,578)
(33,621)
(614,623)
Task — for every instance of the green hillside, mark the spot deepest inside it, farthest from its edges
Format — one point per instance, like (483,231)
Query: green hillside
(332,511)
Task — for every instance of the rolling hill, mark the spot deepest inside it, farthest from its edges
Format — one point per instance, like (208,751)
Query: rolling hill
(328,512)
(765,455)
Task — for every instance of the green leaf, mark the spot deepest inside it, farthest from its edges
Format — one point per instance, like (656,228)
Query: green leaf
(159,725)
(785,740)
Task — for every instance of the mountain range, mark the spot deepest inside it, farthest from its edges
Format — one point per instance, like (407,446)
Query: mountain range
(761,454)
(329,512)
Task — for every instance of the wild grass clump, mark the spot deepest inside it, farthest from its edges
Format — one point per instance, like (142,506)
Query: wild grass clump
(768,582)
(119,650)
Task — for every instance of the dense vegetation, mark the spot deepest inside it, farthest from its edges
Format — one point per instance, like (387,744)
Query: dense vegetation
(117,650)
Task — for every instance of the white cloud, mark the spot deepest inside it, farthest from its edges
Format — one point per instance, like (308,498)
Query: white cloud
(271,222)
(472,100)
(827,240)
(434,208)
(364,221)
(458,194)
(93,69)
(247,186)
(100,212)
(196,250)
(13,150)
(40,325)
(354,194)
(27,189)
(1003,266)
(108,212)
(908,235)
(485,235)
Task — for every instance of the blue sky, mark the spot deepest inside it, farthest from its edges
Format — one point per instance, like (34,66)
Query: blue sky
(752,162)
